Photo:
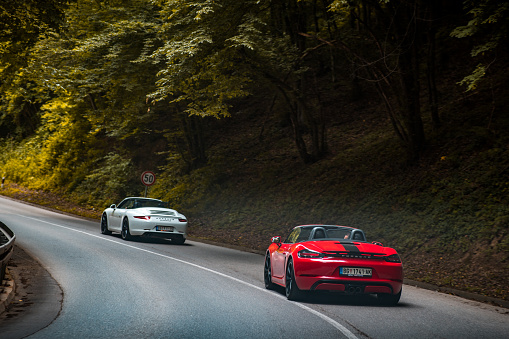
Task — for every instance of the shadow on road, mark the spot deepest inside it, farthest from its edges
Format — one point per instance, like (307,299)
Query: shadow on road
(340,299)
(151,240)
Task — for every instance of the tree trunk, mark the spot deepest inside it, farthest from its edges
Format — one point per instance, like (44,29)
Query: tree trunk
(411,106)
(194,135)
(431,70)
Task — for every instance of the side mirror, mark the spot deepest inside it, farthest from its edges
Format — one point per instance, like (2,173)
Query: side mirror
(276,240)
(113,206)
(377,243)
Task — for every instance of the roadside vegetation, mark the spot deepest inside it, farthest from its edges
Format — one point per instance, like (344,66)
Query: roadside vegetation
(257,116)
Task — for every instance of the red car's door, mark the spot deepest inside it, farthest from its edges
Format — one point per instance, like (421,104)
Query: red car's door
(278,261)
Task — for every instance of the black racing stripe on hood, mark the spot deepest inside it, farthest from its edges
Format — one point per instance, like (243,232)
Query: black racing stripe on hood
(350,247)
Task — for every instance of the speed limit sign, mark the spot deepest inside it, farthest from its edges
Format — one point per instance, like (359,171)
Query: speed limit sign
(148,178)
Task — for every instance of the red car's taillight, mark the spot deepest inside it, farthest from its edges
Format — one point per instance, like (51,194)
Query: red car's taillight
(392,258)
(309,254)
(144,217)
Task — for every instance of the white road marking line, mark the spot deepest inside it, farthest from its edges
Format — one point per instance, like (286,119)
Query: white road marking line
(347,333)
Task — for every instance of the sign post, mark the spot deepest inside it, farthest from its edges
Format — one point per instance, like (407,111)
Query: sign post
(148,178)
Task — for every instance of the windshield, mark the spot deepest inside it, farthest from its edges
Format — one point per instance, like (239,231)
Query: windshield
(324,232)
(140,203)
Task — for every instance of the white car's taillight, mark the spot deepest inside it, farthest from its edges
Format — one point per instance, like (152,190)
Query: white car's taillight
(143,217)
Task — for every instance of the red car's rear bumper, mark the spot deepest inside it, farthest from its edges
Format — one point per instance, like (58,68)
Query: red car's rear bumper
(323,274)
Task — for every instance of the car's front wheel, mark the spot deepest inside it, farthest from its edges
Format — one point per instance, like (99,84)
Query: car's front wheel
(267,273)
(126,234)
(292,290)
(104,225)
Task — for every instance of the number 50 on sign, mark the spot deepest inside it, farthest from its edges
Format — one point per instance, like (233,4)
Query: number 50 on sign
(148,178)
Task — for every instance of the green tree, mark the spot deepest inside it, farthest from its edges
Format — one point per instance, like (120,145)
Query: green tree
(217,52)
(200,73)
(292,59)
(92,77)
(21,23)
(390,39)
(488,27)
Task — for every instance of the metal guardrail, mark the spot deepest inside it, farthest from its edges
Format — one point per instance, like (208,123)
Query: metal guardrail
(7,238)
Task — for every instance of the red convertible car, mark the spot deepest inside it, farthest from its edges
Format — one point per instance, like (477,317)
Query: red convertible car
(333,258)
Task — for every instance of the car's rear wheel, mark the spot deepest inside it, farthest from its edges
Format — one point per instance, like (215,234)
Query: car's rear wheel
(126,234)
(178,241)
(389,299)
(267,273)
(104,225)
(292,290)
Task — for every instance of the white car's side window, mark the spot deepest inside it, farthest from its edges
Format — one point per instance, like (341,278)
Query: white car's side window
(125,204)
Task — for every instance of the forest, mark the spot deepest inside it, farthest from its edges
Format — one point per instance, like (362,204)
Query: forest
(258,115)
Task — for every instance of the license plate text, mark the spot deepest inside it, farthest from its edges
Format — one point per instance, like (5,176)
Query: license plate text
(355,271)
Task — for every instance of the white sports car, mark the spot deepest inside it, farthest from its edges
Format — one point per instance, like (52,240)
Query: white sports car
(144,217)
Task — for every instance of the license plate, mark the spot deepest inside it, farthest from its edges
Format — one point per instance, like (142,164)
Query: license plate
(355,271)
(164,228)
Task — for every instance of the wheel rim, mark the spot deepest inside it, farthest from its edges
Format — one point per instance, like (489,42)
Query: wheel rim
(289,278)
(103,223)
(125,229)
(267,271)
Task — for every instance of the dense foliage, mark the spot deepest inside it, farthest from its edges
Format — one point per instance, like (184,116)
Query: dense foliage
(216,95)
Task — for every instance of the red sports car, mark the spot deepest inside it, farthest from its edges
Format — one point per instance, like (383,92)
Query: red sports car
(333,258)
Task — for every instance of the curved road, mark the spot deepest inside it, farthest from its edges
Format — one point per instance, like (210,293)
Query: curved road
(141,289)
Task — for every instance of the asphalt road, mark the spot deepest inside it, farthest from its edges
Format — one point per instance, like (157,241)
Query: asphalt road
(100,286)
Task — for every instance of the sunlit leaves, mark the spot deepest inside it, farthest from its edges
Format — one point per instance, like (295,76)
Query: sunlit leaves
(472,80)
(199,52)
(91,82)
(489,22)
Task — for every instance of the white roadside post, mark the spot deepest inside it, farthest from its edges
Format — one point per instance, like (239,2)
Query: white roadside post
(148,178)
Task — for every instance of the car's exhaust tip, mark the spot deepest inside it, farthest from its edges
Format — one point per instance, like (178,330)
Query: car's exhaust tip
(352,289)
